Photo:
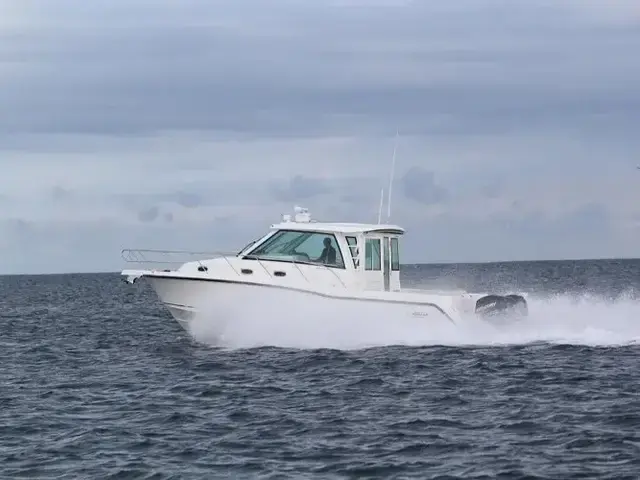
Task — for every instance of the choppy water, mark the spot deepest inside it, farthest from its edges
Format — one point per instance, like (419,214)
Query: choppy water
(97,381)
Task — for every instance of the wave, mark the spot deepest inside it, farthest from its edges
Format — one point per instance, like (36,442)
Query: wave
(292,321)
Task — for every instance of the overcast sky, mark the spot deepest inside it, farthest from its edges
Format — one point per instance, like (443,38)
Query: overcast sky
(193,124)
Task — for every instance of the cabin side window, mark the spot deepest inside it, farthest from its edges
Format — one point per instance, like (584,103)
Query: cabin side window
(372,254)
(395,255)
(353,249)
(300,247)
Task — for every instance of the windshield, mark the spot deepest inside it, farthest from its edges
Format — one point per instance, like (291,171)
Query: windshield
(247,246)
(300,247)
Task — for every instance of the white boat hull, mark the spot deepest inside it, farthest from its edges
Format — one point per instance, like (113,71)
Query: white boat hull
(292,271)
(216,300)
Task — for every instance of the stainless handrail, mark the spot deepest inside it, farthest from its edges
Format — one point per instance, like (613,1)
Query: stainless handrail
(132,255)
(137,255)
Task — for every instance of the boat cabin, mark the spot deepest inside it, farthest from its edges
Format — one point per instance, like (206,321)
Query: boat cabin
(365,255)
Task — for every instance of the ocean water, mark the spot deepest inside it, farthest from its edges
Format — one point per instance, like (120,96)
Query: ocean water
(97,381)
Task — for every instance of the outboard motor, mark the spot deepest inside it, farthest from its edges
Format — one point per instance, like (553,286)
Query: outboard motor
(502,308)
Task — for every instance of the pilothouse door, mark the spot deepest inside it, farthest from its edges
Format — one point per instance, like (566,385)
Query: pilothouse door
(386,263)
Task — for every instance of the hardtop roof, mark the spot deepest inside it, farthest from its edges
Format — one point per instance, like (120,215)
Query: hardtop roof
(343,228)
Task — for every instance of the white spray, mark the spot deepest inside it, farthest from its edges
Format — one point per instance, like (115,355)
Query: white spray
(293,321)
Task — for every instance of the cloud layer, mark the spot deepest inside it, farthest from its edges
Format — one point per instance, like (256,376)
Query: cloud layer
(195,123)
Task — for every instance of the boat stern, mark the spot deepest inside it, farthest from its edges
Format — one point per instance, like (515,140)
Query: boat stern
(502,309)
(492,308)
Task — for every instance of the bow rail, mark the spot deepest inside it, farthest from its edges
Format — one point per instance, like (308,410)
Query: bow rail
(167,257)
(133,255)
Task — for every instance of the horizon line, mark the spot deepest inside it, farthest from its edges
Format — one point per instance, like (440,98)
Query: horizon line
(488,262)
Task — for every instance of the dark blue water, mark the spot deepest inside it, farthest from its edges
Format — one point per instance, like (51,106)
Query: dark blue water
(97,381)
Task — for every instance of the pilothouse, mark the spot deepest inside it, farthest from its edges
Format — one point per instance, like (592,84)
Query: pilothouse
(361,255)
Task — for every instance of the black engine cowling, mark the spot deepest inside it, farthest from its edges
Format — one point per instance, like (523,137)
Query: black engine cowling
(502,307)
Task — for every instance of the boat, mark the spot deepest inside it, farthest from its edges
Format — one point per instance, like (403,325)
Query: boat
(338,263)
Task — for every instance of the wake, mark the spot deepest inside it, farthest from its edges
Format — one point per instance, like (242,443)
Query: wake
(309,323)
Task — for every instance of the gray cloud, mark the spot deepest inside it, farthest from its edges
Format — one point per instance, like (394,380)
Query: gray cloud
(90,246)
(593,220)
(419,184)
(579,233)
(277,71)
(492,189)
(126,122)
(60,194)
(188,200)
(149,215)
(299,188)
(194,195)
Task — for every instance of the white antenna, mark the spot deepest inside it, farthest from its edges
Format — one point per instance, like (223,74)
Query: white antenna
(380,207)
(393,169)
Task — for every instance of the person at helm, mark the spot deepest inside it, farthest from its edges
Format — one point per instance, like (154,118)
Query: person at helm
(328,255)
